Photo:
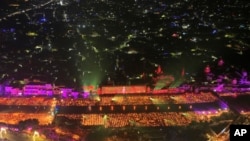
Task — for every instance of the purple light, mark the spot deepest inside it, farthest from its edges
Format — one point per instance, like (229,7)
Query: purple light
(43,19)
(214,31)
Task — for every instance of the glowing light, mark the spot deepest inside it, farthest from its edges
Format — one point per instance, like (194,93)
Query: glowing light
(43,19)
(97,98)
(105,121)
(31,34)
(190,107)
(207,69)
(179,107)
(123,108)
(35,135)
(2,132)
(113,99)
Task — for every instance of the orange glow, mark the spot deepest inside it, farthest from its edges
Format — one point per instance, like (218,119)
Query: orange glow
(134,107)
(123,89)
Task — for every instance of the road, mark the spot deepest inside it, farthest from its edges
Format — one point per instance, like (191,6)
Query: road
(21,11)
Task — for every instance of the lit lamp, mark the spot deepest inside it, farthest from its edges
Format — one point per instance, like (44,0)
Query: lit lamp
(207,69)
(190,107)
(179,107)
